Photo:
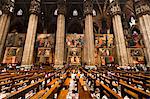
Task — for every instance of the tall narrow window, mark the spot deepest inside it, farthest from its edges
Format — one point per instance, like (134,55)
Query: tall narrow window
(1,12)
(94,12)
(20,12)
(55,12)
(132,21)
(75,12)
(111,1)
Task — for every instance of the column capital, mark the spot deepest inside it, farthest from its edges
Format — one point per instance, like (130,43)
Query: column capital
(8,6)
(142,8)
(35,7)
(88,7)
(61,5)
(114,9)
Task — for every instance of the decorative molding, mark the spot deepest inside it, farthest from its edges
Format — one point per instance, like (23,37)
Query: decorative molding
(114,9)
(8,6)
(35,7)
(88,7)
(142,9)
(61,5)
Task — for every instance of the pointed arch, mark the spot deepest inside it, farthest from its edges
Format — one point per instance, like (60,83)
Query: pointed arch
(74,26)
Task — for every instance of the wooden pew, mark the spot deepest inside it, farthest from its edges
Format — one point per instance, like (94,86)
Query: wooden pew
(49,92)
(84,93)
(67,82)
(8,76)
(39,94)
(63,94)
(52,82)
(23,91)
(132,91)
(105,90)
(109,81)
(48,78)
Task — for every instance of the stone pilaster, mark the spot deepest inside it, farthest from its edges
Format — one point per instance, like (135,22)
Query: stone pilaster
(89,36)
(60,35)
(7,9)
(115,12)
(27,59)
(143,12)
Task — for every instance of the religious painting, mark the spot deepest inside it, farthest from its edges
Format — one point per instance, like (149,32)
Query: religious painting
(44,55)
(45,40)
(136,55)
(100,41)
(44,52)
(44,60)
(106,55)
(15,40)
(135,39)
(74,40)
(74,56)
(13,55)
(104,40)
(110,40)
(96,56)
(107,60)
(105,52)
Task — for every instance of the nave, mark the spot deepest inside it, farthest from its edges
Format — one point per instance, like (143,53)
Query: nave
(74,83)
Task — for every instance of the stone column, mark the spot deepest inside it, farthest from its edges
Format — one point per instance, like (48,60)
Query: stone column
(84,49)
(7,9)
(115,12)
(60,35)
(89,36)
(143,13)
(27,59)
(116,41)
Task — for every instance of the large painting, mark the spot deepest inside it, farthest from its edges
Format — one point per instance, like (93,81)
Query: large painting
(134,39)
(74,56)
(74,40)
(45,45)
(104,40)
(44,52)
(13,55)
(106,56)
(45,40)
(136,55)
(104,44)
(15,40)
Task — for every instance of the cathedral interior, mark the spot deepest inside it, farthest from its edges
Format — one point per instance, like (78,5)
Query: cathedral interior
(92,43)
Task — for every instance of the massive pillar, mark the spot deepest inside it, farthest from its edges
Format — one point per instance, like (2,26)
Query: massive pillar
(27,59)
(89,36)
(115,12)
(143,13)
(7,9)
(60,33)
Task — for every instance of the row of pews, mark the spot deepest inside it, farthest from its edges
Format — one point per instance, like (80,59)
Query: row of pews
(119,84)
(74,83)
